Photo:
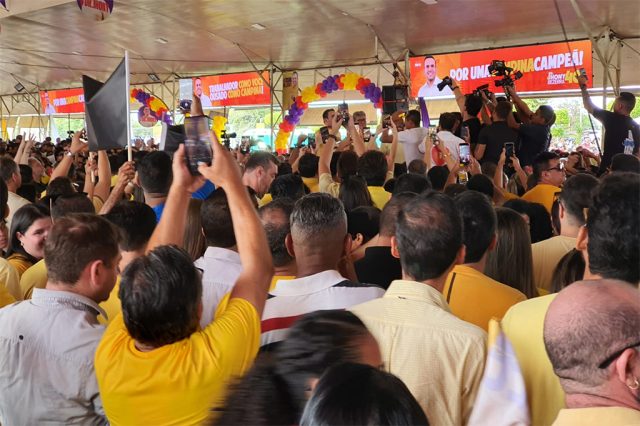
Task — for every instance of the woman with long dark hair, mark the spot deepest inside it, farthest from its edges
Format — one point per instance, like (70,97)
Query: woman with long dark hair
(29,230)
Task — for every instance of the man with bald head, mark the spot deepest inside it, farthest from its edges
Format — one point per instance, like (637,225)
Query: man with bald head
(318,241)
(592,337)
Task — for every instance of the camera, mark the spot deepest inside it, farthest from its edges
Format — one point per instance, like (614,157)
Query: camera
(445,82)
(498,68)
(482,89)
(226,138)
(185,105)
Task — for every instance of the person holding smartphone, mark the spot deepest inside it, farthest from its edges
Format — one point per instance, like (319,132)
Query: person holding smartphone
(447,124)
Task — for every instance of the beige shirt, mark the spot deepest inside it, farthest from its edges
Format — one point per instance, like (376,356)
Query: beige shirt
(15,202)
(546,255)
(597,416)
(438,356)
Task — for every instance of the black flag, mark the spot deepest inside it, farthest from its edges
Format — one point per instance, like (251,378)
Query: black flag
(107,107)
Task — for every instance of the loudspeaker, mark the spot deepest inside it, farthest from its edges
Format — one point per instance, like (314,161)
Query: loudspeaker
(395,98)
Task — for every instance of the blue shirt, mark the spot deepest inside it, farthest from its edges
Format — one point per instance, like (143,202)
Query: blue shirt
(201,194)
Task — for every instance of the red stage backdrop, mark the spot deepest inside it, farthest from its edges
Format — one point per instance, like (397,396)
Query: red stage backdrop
(62,101)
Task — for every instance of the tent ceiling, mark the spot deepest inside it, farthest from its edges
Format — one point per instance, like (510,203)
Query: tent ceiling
(50,43)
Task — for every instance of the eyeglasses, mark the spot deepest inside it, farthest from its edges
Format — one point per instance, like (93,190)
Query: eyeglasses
(607,362)
(559,167)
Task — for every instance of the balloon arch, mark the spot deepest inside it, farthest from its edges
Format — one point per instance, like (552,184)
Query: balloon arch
(333,83)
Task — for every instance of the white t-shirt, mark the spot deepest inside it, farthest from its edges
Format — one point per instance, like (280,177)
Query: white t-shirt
(433,92)
(205,101)
(412,143)
(451,142)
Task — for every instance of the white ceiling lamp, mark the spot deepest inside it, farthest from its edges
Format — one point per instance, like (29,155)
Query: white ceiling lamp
(258,27)
(429,2)
(161,40)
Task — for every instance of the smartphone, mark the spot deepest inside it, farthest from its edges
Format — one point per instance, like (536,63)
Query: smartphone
(311,139)
(386,121)
(509,150)
(324,132)
(464,132)
(366,133)
(197,143)
(465,153)
(343,110)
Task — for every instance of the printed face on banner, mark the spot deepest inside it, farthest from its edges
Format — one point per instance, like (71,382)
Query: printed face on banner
(545,68)
(146,117)
(62,101)
(232,89)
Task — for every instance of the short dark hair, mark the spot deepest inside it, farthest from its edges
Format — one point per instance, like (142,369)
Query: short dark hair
(136,221)
(447,121)
(77,240)
(540,225)
(413,116)
(73,203)
(454,189)
(622,162)
(358,394)
(429,235)
(482,184)
(479,223)
(325,113)
(411,182)
(161,295)
(333,164)
(4,198)
(438,176)
(155,174)
(612,226)
(8,167)
(277,229)
(287,186)
(217,222)
(547,113)
(391,210)
(628,99)
(260,159)
(354,193)
(503,109)
(577,195)
(473,104)
(60,186)
(372,167)
(418,167)
(541,163)
(363,220)
(22,220)
(347,164)
(308,165)
(315,214)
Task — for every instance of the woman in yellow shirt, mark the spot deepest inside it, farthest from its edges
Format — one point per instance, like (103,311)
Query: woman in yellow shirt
(29,230)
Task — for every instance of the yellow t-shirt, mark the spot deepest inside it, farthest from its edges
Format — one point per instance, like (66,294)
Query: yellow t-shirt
(5,297)
(111,306)
(476,298)
(523,324)
(379,196)
(34,277)
(546,256)
(543,194)
(312,183)
(9,279)
(20,263)
(178,383)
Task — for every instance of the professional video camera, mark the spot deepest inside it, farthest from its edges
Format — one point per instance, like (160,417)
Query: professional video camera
(482,89)
(445,82)
(226,138)
(499,69)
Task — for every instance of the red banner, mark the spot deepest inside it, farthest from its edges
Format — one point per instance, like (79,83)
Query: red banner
(233,89)
(545,67)
(62,101)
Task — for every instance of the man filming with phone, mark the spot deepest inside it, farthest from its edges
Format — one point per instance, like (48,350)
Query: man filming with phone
(534,130)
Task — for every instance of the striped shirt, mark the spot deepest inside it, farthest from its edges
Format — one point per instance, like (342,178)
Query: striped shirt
(290,299)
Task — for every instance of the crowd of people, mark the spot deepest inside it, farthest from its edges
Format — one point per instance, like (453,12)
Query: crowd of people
(343,283)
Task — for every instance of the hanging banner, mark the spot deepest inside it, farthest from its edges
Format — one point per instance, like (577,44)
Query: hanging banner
(232,89)
(289,88)
(544,68)
(98,9)
(66,101)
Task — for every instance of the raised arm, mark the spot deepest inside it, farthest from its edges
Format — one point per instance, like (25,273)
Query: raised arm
(77,146)
(125,176)
(460,99)
(519,103)
(586,98)
(324,162)
(358,143)
(22,157)
(89,170)
(391,158)
(170,229)
(103,187)
(257,265)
